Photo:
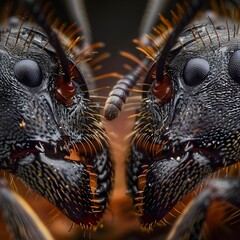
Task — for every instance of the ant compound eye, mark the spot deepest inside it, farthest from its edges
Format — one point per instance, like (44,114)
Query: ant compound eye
(195,71)
(28,72)
(234,66)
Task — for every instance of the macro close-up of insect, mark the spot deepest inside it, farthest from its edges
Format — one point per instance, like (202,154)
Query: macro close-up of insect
(157,158)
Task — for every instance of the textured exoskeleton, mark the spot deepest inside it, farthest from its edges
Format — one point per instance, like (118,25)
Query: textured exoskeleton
(51,135)
(197,131)
(188,124)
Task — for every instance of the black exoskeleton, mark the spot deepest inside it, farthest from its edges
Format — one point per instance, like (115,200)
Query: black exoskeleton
(188,124)
(51,135)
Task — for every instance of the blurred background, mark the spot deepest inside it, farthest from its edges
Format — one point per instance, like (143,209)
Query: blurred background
(115,23)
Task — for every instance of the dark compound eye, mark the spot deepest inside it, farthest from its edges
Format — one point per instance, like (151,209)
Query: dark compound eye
(234,66)
(195,71)
(28,72)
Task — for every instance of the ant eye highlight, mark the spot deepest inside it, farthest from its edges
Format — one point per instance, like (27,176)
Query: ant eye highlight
(234,66)
(195,71)
(28,72)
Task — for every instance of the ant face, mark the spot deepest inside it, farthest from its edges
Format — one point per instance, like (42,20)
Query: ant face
(51,134)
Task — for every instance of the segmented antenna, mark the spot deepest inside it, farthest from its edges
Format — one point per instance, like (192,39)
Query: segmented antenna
(65,83)
(149,19)
(78,15)
(120,92)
